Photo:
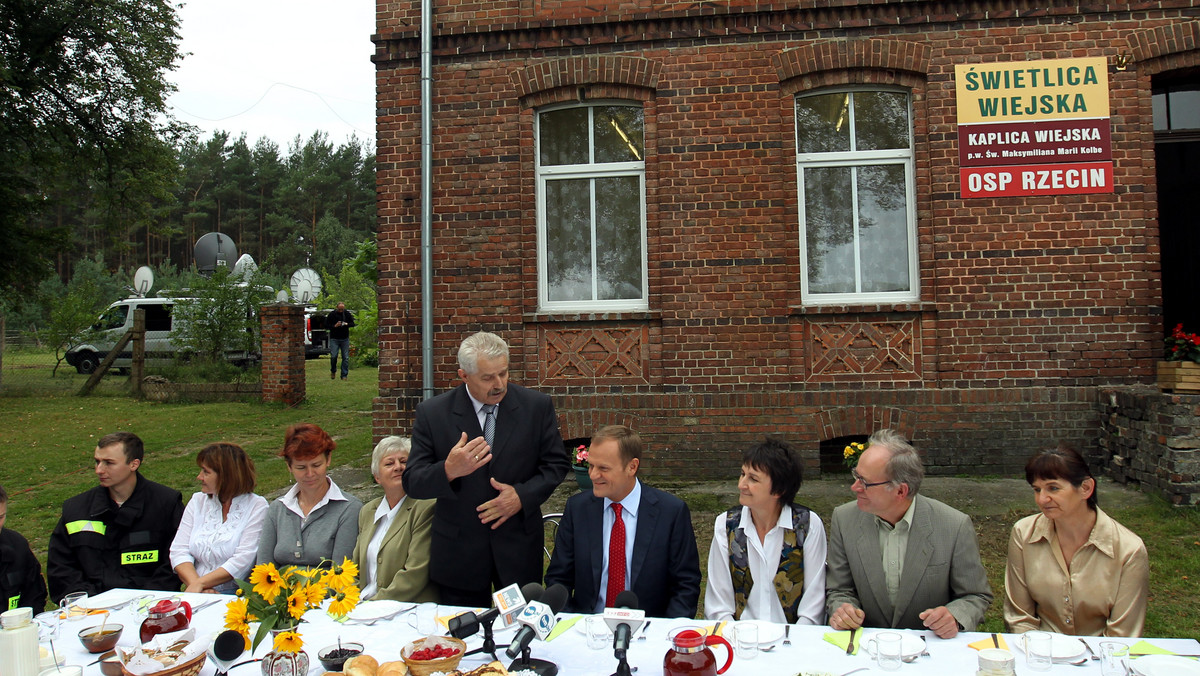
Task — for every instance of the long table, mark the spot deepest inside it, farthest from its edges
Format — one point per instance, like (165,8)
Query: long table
(809,652)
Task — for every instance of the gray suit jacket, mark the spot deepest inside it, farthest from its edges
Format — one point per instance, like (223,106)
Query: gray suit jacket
(941,568)
(402,567)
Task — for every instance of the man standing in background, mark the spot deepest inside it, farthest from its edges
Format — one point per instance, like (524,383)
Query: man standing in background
(338,324)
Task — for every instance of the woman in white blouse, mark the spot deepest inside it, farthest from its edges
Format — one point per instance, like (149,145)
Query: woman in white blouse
(392,551)
(767,559)
(218,535)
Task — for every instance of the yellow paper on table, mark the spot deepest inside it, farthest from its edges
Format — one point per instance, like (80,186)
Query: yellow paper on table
(563,626)
(1145,648)
(841,639)
(984,644)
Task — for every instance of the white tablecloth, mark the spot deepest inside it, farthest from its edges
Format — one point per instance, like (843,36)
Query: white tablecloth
(808,652)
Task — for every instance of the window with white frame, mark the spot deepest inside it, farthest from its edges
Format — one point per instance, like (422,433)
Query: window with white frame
(854,166)
(591,196)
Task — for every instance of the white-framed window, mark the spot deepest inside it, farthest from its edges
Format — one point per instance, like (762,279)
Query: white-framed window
(854,168)
(591,208)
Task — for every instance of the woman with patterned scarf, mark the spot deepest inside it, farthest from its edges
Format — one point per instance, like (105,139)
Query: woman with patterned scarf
(767,559)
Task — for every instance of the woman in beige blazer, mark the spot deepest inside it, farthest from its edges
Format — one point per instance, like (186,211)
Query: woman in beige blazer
(392,551)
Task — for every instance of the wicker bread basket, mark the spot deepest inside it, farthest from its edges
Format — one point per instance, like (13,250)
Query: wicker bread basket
(427,667)
(189,668)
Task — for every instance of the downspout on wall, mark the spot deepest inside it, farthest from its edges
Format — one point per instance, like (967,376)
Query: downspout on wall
(426,199)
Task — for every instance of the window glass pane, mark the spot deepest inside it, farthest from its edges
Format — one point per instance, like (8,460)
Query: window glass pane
(563,137)
(1185,109)
(829,229)
(568,240)
(823,123)
(880,120)
(883,228)
(619,238)
(158,317)
(113,318)
(618,133)
(1159,104)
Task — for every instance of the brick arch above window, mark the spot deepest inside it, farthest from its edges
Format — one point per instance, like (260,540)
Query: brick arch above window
(580,78)
(844,421)
(1166,47)
(840,62)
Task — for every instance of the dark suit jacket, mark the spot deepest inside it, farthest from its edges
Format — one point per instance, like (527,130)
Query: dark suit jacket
(665,570)
(941,567)
(528,453)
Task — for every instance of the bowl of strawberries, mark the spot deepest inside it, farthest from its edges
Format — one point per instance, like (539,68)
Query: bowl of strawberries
(432,654)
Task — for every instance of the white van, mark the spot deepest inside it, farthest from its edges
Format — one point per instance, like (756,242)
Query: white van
(114,322)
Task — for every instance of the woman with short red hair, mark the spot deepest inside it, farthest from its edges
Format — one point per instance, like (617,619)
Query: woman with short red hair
(314,522)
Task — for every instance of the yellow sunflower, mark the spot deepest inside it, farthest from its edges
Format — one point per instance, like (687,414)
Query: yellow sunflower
(344,601)
(314,594)
(267,581)
(288,642)
(297,603)
(236,616)
(341,576)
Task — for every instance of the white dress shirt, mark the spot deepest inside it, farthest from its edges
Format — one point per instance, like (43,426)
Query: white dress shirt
(384,516)
(762,603)
(209,542)
(291,499)
(629,513)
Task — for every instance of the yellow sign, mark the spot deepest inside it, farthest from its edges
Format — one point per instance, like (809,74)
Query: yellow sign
(12,602)
(1024,91)
(139,557)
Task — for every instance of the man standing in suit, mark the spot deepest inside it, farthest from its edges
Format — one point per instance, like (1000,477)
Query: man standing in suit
(490,453)
(625,535)
(899,559)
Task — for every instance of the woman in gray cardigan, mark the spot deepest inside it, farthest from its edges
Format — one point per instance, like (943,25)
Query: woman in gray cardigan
(314,522)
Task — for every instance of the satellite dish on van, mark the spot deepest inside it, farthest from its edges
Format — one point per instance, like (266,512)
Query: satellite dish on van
(214,250)
(143,281)
(245,267)
(282,296)
(305,285)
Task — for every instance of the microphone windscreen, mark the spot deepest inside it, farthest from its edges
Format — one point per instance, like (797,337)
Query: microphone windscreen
(532,592)
(229,645)
(626,599)
(556,597)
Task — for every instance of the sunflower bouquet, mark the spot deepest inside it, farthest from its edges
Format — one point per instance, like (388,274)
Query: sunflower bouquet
(852,452)
(277,600)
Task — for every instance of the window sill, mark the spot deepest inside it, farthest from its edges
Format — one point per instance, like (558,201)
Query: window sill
(868,308)
(577,316)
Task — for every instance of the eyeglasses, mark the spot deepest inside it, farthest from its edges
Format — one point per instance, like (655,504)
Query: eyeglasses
(858,478)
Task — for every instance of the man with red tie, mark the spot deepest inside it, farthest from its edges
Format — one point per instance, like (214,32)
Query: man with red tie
(625,535)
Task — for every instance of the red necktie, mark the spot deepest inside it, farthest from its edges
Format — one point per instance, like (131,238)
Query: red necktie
(616,558)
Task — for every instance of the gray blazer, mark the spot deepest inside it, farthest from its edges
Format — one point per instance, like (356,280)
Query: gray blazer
(327,534)
(941,568)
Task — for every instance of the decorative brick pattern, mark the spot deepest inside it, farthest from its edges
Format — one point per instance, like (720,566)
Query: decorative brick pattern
(886,349)
(608,355)
(283,353)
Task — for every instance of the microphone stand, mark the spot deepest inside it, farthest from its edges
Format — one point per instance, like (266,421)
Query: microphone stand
(525,662)
(621,652)
(489,643)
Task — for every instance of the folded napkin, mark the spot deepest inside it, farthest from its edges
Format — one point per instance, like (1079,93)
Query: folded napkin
(562,626)
(841,639)
(1145,648)
(984,644)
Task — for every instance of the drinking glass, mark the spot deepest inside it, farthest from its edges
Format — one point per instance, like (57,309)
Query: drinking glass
(889,649)
(746,640)
(1112,658)
(70,607)
(598,635)
(424,619)
(1039,650)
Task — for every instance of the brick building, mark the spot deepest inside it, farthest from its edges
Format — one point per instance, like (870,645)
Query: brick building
(712,221)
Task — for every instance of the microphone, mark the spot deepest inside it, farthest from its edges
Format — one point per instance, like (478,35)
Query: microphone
(623,620)
(537,621)
(509,601)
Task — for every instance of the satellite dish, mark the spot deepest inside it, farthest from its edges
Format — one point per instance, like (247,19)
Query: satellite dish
(245,267)
(143,281)
(305,285)
(214,250)
(282,296)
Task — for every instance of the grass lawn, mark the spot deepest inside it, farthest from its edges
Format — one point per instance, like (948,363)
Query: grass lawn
(50,437)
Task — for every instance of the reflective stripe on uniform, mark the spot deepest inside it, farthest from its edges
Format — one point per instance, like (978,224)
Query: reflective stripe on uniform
(86,527)
(139,557)
(12,602)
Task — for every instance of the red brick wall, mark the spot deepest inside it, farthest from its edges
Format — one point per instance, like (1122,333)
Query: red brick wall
(283,353)
(1027,304)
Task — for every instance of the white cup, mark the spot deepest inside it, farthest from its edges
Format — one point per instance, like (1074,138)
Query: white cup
(1112,658)
(745,640)
(598,635)
(423,618)
(887,647)
(1039,650)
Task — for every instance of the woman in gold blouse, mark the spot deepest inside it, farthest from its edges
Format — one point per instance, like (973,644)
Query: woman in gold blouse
(1072,569)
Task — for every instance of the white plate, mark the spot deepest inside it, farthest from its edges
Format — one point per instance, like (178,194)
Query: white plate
(909,644)
(109,600)
(1164,665)
(769,633)
(374,610)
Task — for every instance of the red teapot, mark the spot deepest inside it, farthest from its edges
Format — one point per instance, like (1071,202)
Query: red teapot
(166,616)
(689,654)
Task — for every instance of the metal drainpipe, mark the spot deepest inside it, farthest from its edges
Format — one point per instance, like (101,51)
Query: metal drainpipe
(426,199)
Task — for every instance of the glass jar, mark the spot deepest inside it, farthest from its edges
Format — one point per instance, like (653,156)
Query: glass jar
(166,616)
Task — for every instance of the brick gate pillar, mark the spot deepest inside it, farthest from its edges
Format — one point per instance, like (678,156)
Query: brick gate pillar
(283,353)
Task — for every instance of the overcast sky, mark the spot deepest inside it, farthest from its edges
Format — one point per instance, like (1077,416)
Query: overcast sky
(277,68)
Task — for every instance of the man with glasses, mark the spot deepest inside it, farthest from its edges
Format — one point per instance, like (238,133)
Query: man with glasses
(899,559)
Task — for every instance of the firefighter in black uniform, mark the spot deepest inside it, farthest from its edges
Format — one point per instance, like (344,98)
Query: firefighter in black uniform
(21,581)
(119,533)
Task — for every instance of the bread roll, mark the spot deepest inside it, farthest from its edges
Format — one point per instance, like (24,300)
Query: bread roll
(361,665)
(396,668)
